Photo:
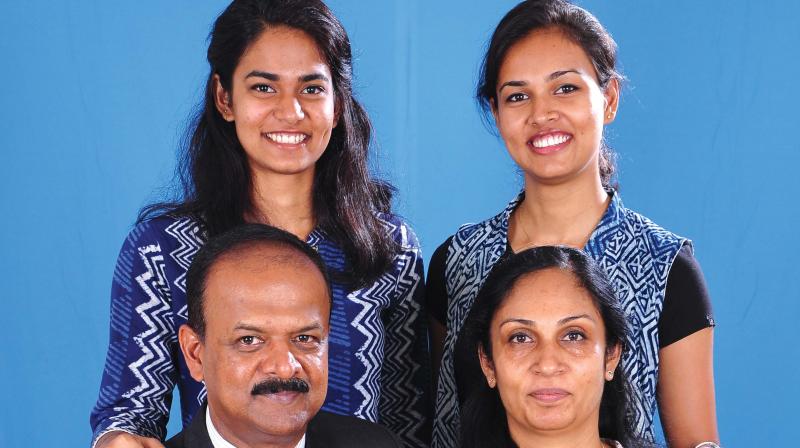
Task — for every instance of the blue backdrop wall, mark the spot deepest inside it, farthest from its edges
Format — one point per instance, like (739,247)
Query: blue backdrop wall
(95,96)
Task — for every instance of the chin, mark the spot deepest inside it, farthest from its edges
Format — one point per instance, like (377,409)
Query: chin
(282,423)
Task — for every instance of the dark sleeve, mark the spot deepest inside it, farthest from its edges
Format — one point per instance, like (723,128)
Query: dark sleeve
(687,306)
(435,286)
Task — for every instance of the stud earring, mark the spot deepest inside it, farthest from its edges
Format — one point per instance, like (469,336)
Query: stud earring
(610,375)
(491,382)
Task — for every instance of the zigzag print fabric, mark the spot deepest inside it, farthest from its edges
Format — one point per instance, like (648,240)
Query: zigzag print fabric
(378,361)
(636,254)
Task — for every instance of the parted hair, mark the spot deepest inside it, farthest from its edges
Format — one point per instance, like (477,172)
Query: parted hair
(213,169)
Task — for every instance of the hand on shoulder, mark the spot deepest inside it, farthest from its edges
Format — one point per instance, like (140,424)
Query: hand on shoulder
(121,439)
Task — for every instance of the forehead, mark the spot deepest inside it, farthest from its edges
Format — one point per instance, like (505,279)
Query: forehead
(543,52)
(265,284)
(283,50)
(547,295)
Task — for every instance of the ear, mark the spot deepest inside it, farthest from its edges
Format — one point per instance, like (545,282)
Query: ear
(222,99)
(493,107)
(192,348)
(337,111)
(612,101)
(613,355)
(487,366)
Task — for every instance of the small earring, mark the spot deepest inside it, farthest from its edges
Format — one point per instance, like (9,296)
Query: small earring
(610,115)
(610,375)
(491,382)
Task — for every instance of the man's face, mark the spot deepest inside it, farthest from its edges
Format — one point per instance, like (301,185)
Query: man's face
(264,357)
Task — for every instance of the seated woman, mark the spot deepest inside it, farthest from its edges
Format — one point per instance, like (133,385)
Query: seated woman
(538,362)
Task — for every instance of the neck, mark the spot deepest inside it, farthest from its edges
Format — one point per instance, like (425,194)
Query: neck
(586,437)
(563,214)
(284,201)
(247,437)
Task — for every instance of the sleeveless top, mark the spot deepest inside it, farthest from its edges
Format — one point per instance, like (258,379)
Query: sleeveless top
(636,254)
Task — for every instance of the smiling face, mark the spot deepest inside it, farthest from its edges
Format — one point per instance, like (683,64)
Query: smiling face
(548,356)
(550,110)
(281,102)
(267,311)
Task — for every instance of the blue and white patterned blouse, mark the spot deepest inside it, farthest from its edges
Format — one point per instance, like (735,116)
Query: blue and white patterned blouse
(378,353)
(635,253)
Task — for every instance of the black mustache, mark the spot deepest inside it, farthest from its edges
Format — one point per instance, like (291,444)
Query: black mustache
(275,385)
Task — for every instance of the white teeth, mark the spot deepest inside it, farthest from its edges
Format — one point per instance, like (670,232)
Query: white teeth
(550,140)
(287,138)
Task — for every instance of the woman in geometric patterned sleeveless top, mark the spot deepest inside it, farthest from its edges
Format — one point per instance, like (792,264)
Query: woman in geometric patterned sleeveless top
(549,82)
(279,139)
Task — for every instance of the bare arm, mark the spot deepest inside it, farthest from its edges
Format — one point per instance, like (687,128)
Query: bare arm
(121,439)
(686,390)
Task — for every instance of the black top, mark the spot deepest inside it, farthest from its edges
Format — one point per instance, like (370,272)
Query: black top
(687,307)
(325,430)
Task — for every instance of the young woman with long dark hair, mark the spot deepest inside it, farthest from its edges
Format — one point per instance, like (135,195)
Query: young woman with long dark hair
(279,139)
(550,84)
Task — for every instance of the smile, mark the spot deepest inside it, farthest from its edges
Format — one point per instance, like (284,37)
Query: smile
(287,138)
(548,140)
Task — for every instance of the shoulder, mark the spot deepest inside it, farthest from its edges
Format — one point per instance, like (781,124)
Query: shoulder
(656,238)
(332,430)
(399,229)
(165,228)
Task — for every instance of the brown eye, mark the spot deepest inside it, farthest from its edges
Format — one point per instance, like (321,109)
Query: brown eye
(249,340)
(574,336)
(313,90)
(263,88)
(516,98)
(520,338)
(567,88)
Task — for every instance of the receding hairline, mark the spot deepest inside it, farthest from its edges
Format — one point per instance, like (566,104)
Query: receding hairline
(269,251)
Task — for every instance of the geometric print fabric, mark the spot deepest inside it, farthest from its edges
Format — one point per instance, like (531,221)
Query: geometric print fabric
(636,255)
(378,362)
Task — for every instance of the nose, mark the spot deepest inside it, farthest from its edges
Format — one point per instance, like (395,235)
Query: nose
(542,111)
(279,361)
(549,360)
(288,109)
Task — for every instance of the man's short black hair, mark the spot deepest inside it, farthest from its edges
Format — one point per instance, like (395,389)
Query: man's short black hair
(240,238)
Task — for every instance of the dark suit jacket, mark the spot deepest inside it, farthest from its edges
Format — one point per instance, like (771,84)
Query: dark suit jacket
(325,430)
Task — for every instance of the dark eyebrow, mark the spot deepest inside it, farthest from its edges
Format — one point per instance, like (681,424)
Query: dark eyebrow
(571,318)
(313,77)
(314,326)
(248,327)
(550,77)
(517,320)
(265,75)
(531,323)
(274,77)
(512,84)
(257,329)
(560,73)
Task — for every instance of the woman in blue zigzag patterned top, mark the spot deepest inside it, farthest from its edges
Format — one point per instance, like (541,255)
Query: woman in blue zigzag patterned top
(279,139)
(549,82)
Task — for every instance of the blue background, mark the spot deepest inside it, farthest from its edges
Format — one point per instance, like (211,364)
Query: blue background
(95,97)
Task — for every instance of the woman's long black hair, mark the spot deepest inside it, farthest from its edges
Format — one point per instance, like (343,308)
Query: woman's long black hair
(214,172)
(579,25)
(483,417)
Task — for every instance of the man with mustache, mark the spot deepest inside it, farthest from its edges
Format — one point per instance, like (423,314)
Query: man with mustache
(259,306)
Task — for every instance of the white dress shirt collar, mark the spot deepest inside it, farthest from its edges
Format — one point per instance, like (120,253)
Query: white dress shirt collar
(218,442)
